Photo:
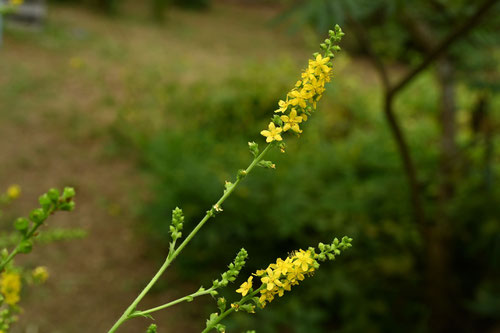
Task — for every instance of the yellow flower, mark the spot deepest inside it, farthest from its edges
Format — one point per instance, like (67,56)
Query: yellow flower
(245,287)
(40,274)
(272,279)
(292,121)
(282,266)
(303,260)
(320,64)
(273,133)
(16,2)
(298,98)
(265,297)
(10,286)
(14,191)
(283,105)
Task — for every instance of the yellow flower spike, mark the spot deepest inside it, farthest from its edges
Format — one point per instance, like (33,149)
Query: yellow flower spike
(273,133)
(13,191)
(16,2)
(292,121)
(245,287)
(10,287)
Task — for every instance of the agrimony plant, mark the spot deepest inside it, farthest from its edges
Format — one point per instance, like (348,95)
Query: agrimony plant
(291,115)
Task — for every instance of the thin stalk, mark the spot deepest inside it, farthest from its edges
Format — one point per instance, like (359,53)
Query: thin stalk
(128,312)
(231,309)
(187,298)
(27,236)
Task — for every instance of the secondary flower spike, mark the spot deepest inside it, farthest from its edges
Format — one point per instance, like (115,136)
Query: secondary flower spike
(301,101)
(282,275)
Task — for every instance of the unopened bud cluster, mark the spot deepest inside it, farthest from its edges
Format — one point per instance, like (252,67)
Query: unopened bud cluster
(177,224)
(233,271)
(50,202)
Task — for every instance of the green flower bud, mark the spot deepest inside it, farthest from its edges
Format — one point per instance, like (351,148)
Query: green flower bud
(25,246)
(21,224)
(152,328)
(267,164)
(241,174)
(277,120)
(254,148)
(67,206)
(45,202)
(68,193)
(38,215)
(221,304)
(53,194)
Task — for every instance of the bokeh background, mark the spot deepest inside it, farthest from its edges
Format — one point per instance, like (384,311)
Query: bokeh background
(143,106)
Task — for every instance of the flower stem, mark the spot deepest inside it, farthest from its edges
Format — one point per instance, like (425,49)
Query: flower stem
(231,309)
(128,314)
(187,298)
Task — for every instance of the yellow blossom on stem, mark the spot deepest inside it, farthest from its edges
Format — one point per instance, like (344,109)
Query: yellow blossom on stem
(292,121)
(303,259)
(10,287)
(273,133)
(245,287)
(283,105)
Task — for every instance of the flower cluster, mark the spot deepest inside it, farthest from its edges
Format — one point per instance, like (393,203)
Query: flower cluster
(301,101)
(234,269)
(280,276)
(10,287)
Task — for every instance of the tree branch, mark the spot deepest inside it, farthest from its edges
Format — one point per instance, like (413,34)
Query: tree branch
(452,37)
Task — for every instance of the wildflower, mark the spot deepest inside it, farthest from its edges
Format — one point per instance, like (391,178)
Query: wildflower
(272,279)
(303,260)
(292,121)
(16,2)
(13,191)
(245,287)
(10,287)
(282,105)
(40,274)
(320,64)
(302,99)
(273,133)
(280,276)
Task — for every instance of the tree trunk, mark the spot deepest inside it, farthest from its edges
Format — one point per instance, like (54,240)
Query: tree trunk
(441,295)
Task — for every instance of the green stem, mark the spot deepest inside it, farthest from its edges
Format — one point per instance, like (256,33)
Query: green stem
(231,309)
(127,313)
(187,298)
(27,236)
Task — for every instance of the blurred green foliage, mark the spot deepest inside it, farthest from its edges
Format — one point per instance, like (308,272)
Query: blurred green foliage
(158,7)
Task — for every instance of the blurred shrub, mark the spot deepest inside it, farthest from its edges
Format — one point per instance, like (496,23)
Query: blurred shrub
(194,4)
(106,6)
(342,177)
